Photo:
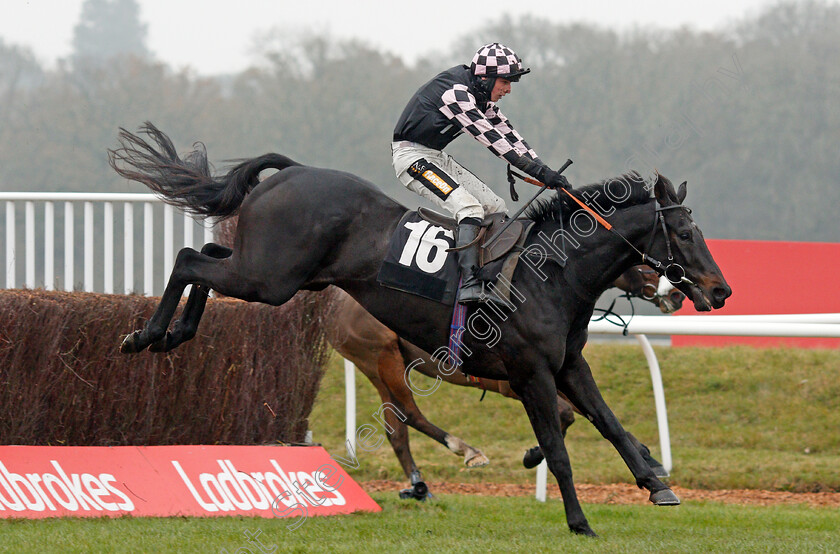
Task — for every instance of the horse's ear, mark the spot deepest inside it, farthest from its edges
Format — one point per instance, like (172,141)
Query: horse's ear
(681,192)
(663,190)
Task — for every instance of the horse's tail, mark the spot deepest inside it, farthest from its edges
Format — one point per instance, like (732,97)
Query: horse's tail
(187,182)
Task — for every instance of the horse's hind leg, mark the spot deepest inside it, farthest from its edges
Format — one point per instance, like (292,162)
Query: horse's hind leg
(394,376)
(186,326)
(397,433)
(654,464)
(155,328)
(192,267)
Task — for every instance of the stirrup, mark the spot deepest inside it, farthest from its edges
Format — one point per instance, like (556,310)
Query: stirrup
(476,293)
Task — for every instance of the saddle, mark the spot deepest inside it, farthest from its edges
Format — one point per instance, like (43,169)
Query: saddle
(514,235)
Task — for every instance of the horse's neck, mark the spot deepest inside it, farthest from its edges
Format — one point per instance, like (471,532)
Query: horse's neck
(602,257)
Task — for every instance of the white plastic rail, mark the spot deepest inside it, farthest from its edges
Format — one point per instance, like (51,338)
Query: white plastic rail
(89,202)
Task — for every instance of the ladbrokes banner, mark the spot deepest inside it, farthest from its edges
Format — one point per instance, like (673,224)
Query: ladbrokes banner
(267,481)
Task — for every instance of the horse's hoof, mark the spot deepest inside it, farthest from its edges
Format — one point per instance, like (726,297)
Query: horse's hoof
(129,344)
(665,497)
(532,458)
(660,471)
(478,459)
(419,492)
(162,345)
(584,530)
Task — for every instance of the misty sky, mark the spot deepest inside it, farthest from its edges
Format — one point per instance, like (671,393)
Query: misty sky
(217,36)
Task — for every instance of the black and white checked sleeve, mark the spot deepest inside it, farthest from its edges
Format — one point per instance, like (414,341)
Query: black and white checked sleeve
(459,106)
(501,123)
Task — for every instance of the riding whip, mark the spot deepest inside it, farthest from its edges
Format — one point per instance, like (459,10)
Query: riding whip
(522,209)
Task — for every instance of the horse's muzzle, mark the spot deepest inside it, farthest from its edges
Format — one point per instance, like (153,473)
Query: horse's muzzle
(708,294)
(719,295)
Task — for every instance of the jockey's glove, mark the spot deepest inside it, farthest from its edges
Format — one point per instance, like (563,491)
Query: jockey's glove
(554,180)
(539,171)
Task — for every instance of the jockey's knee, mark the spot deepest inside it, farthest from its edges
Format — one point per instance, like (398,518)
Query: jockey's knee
(462,204)
(495,206)
(471,211)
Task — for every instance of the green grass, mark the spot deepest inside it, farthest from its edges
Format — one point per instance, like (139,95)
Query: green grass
(739,417)
(453,524)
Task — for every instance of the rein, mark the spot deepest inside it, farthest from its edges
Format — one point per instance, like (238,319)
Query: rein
(666,271)
(608,313)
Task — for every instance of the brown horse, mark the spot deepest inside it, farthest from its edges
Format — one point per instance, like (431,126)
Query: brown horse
(644,282)
(383,357)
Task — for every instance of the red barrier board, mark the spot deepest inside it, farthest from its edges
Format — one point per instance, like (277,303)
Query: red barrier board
(769,277)
(265,481)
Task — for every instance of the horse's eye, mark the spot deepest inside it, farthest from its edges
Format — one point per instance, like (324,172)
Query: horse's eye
(686,236)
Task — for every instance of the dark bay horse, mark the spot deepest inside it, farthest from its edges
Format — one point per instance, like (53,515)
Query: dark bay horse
(382,357)
(307,228)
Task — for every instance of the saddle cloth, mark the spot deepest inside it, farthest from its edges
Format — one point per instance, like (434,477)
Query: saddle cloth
(418,262)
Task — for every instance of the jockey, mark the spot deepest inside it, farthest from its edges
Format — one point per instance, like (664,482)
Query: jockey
(463,98)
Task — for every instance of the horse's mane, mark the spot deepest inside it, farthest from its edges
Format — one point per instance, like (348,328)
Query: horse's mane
(560,207)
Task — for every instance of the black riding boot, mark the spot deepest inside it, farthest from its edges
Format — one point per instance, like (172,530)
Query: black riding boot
(468,261)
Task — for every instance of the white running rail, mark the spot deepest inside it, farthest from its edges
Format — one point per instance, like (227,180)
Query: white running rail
(99,246)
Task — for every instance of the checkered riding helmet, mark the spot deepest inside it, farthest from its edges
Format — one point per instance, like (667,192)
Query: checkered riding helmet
(497,60)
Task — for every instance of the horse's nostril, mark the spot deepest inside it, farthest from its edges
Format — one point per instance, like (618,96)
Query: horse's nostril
(721,293)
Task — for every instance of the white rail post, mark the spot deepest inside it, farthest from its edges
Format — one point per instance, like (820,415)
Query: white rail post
(69,248)
(350,405)
(108,240)
(49,246)
(10,245)
(542,480)
(148,245)
(89,247)
(168,238)
(189,240)
(188,231)
(208,231)
(29,237)
(128,245)
(659,400)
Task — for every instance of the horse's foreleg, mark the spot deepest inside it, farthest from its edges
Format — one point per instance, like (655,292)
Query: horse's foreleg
(539,397)
(576,382)
(654,464)
(534,456)
(186,326)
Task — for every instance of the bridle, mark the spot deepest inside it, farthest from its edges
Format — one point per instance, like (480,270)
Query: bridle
(674,272)
(643,291)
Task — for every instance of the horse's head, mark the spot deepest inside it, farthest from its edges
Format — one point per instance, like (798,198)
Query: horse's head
(643,282)
(678,243)
(670,298)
